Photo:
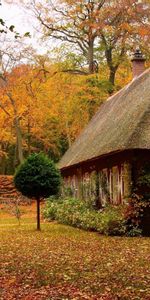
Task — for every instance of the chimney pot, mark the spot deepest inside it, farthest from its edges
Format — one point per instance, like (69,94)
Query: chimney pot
(138,63)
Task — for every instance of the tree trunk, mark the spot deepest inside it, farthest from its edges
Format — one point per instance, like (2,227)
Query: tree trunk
(3,160)
(15,162)
(112,77)
(91,57)
(38,214)
(17,128)
(112,69)
(112,74)
(68,134)
(29,136)
(19,139)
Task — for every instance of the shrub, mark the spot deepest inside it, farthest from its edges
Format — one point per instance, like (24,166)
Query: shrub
(13,208)
(113,220)
(77,213)
(137,216)
(51,209)
(134,231)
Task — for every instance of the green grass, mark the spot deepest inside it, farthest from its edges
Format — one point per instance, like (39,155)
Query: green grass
(62,262)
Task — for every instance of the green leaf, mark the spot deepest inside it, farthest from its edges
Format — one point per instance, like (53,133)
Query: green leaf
(27,34)
(11,28)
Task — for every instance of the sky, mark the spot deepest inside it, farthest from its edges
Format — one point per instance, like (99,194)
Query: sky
(12,14)
(23,21)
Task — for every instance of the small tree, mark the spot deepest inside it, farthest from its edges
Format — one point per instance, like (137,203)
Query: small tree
(37,177)
(13,208)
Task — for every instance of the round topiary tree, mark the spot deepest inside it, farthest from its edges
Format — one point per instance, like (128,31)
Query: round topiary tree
(37,177)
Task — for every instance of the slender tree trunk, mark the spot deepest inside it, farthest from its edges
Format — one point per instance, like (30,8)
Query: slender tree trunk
(2,160)
(15,162)
(112,74)
(68,134)
(17,128)
(112,69)
(38,214)
(29,136)
(19,139)
(91,57)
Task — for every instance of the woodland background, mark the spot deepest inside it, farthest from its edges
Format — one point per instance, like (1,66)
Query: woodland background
(47,99)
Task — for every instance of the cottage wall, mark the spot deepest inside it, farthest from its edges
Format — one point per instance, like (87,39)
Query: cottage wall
(103,186)
(107,179)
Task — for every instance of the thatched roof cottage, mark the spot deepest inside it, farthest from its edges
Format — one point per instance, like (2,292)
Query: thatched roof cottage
(105,158)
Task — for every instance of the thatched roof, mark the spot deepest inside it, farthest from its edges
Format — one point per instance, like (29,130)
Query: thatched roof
(122,122)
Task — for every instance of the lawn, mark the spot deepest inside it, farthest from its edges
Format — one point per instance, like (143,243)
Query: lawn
(61,262)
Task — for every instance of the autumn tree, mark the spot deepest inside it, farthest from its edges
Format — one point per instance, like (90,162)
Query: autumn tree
(52,107)
(6,139)
(37,178)
(10,96)
(9,106)
(72,22)
(110,28)
(125,27)
(18,102)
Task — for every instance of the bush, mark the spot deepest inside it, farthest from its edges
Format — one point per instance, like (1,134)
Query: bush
(137,216)
(134,231)
(76,213)
(113,221)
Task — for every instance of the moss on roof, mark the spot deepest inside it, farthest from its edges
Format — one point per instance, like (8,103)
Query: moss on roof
(122,122)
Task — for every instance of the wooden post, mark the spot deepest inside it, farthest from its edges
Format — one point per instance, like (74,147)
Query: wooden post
(97,199)
(79,184)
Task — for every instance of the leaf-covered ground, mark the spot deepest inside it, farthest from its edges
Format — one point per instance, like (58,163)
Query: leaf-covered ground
(66,263)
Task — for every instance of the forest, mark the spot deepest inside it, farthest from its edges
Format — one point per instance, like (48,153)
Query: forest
(47,99)
(79,232)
